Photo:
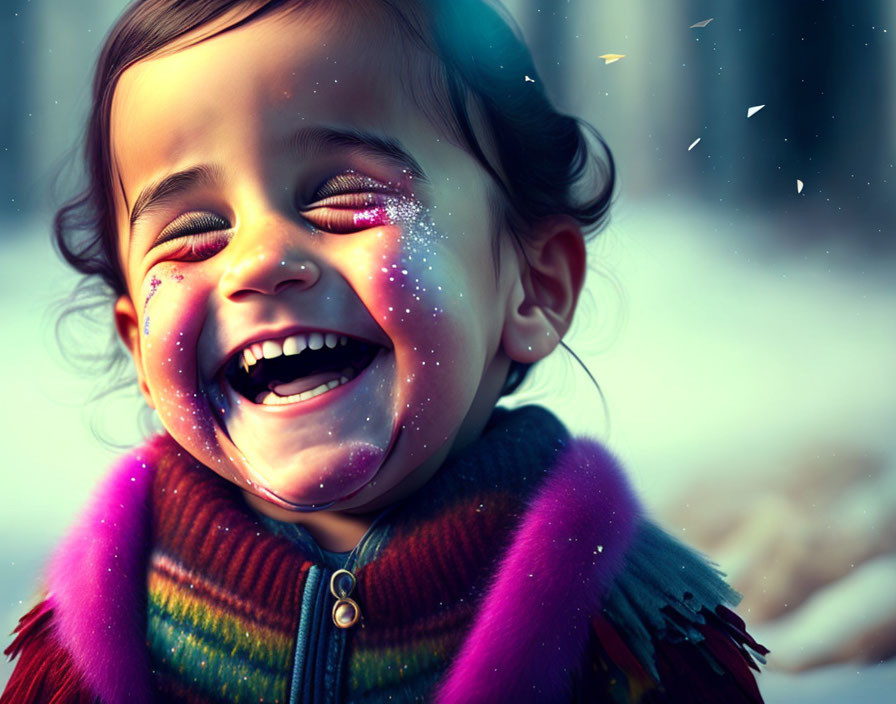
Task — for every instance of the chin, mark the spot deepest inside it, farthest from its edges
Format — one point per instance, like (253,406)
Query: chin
(315,481)
(306,455)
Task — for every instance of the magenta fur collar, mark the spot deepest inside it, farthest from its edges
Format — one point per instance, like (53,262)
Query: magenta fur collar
(532,626)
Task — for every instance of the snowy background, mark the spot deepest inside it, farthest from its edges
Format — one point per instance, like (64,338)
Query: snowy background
(743,334)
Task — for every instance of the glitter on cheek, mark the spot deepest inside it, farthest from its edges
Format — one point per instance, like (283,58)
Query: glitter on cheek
(154,283)
(420,242)
(186,415)
(406,211)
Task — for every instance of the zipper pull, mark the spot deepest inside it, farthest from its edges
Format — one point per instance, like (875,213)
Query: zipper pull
(346,612)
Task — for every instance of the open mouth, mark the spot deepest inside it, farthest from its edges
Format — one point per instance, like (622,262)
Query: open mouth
(297,368)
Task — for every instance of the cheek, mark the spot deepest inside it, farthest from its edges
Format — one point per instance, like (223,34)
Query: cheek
(425,287)
(172,317)
(414,284)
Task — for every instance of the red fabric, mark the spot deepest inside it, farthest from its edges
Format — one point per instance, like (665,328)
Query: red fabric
(738,631)
(44,673)
(716,669)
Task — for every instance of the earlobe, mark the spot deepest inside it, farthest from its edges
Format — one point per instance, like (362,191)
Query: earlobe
(544,295)
(128,326)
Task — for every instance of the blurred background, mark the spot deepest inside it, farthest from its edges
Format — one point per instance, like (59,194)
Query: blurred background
(742,329)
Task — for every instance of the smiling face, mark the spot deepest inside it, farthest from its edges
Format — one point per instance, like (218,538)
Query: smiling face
(313,306)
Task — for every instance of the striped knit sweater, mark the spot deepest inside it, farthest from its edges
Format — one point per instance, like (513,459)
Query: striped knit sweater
(521,572)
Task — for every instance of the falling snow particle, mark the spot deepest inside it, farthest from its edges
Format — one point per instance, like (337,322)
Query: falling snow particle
(753,110)
(528,80)
(799,186)
(701,23)
(611,58)
(694,143)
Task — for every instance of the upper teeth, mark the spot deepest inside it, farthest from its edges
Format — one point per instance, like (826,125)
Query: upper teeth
(292,345)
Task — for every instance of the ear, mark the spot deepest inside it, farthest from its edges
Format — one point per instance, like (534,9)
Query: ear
(128,326)
(545,294)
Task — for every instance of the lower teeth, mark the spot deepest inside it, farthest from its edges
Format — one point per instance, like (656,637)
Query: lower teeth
(269,398)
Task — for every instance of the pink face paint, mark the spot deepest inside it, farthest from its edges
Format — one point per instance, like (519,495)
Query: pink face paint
(154,284)
(372,217)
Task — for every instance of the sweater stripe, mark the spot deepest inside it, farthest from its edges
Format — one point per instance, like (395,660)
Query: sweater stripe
(387,667)
(208,668)
(209,636)
(177,604)
(167,570)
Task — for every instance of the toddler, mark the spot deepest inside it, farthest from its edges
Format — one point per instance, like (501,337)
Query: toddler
(334,234)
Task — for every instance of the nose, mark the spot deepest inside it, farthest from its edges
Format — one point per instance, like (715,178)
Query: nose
(268,261)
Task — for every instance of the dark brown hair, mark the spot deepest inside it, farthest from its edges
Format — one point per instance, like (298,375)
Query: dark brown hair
(542,161)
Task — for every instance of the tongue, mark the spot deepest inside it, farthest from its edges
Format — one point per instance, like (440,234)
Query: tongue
(305,383)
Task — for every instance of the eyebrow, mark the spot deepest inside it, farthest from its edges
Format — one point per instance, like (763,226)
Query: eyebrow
(169,187)
(312,140)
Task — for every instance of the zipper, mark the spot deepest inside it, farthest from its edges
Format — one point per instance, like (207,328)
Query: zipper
(318,668)
(306,686)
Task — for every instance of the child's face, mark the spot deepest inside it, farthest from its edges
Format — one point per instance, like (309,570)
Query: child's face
(285,210)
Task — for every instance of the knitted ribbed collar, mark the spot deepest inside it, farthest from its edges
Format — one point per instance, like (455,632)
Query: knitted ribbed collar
(575,517)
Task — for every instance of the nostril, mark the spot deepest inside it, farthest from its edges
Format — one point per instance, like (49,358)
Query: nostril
(296,281)
(268,276)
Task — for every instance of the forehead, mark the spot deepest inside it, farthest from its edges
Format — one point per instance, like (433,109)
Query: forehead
(251,87)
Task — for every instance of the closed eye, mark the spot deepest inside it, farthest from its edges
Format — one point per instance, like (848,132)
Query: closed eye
(351,202)
(194,236)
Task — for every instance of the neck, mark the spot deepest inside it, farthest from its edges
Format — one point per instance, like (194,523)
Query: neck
(335,531)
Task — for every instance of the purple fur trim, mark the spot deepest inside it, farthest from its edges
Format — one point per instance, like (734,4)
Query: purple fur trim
(533,623)
(95,581)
